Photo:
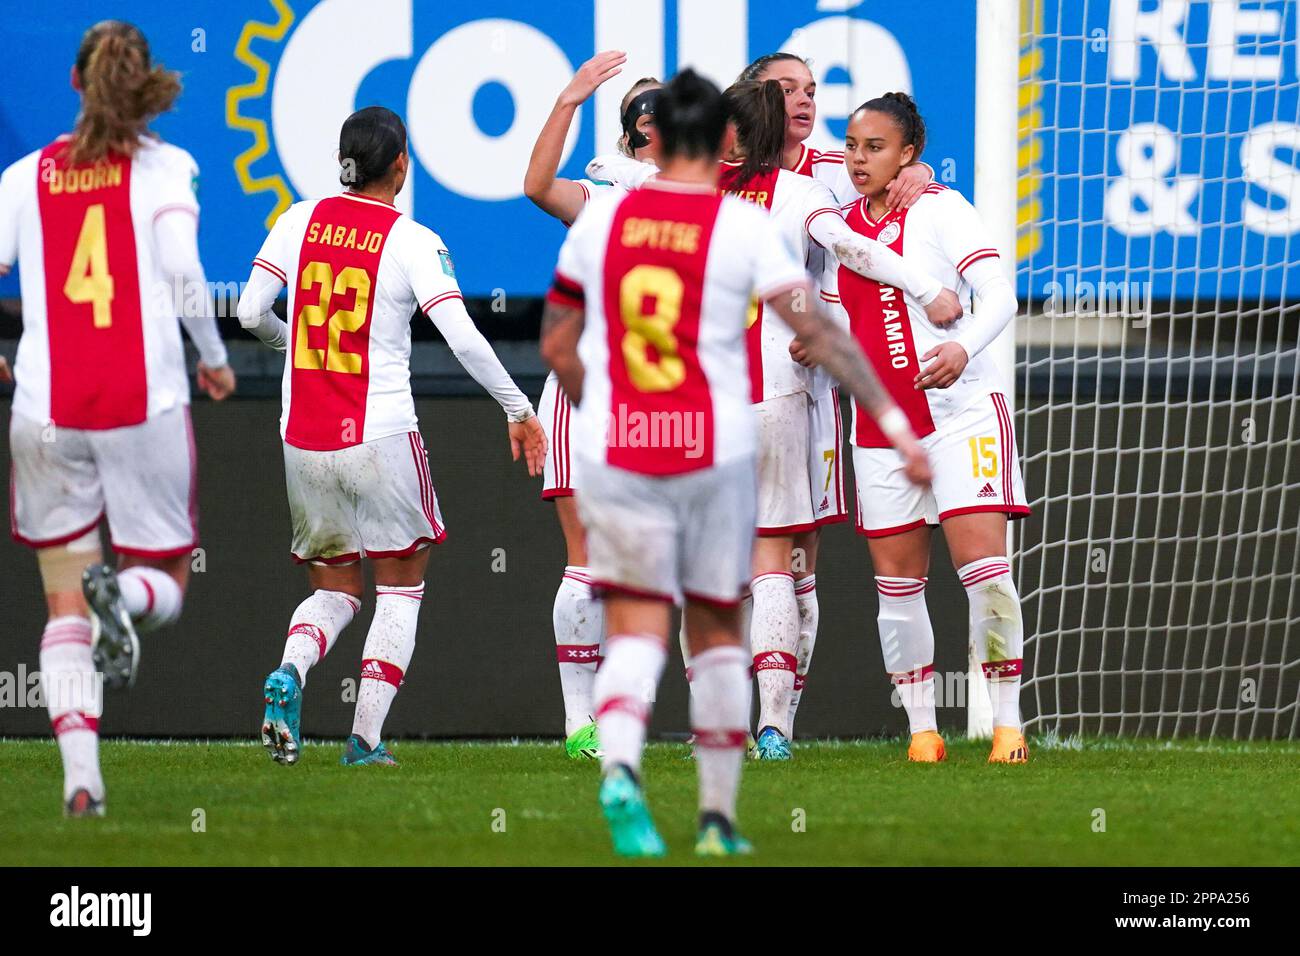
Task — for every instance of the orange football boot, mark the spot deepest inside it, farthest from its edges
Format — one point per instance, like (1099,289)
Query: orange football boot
(926,747)
(1008,746)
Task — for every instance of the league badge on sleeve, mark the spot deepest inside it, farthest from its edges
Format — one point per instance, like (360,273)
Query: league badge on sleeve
(444,258)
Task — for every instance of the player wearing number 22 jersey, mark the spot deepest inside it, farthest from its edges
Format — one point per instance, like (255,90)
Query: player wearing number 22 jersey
(356,468)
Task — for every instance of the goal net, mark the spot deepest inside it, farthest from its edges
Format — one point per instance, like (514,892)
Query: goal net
(1158,248)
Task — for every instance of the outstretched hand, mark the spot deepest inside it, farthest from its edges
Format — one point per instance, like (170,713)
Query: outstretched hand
(601,67)
(527,436)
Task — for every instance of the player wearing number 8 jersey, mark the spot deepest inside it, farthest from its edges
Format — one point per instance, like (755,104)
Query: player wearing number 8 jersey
(645,327)
(947,383)
(104,223)
(355,464)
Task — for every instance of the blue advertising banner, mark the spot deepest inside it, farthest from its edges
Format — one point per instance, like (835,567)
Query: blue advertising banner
(269,82)
(1159,138)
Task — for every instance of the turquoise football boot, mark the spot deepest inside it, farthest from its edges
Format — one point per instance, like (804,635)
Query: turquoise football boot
(281,724)
(771,745)
(630,826)
(718,837)
(357,753)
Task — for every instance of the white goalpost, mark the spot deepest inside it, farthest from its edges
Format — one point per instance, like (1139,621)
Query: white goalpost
(1139,162)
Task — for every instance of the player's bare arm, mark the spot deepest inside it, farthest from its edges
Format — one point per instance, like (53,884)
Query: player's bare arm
(561,328)
(831,347)
(563,198)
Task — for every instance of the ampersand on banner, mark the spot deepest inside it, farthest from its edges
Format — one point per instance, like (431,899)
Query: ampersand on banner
(1147,154)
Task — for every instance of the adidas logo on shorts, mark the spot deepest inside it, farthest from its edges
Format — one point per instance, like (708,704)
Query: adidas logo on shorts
(987,492)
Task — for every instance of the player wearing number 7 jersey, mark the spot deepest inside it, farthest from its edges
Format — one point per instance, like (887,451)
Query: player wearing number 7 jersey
(105,225)
(355,464)
(645,327)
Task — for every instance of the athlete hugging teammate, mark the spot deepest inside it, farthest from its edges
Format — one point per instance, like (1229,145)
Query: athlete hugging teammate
(648,316)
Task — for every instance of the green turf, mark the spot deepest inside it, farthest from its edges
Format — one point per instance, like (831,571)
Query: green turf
(1186,803)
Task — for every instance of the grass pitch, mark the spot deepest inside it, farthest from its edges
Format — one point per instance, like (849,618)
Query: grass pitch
(225,803)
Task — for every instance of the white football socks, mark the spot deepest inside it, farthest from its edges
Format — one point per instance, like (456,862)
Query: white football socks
(390,642)
(998,633)
(625,688)
(579,621)
(907,645)
(805,596)
(719,717)
(315,626)
(72,692)
(152,597)
(774,637)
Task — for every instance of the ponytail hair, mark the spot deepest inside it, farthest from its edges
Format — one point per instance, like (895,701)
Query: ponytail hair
(757,108)
(122,90)
(690,117)
(369,143)
(901,108)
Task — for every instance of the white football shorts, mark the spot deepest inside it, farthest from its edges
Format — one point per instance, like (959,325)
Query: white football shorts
(976,468)
(141,477)
(683,536)
(373,500)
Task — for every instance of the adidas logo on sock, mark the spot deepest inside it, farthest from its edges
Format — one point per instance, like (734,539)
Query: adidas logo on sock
(987,491)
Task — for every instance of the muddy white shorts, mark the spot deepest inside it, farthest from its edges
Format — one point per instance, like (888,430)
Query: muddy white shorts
(785,504)
(141,477)
(682,536)
(976,468)
(825,459)
(373,500)
(553,411)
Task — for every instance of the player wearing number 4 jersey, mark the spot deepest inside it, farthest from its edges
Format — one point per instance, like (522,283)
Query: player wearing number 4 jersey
(355,465)
(105,225)
(947,383)
(645,327)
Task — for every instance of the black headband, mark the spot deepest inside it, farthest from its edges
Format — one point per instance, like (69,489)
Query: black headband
(642,104)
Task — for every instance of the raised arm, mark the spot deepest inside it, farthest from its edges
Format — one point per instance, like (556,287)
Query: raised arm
(564,198)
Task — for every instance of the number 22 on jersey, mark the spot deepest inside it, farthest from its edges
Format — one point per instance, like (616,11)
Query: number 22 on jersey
(333,355)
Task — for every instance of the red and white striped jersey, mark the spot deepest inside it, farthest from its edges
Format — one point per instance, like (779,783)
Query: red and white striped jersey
(944,235)
(101,344)
(665,275)
(792,202)
(827,166)
(356,270)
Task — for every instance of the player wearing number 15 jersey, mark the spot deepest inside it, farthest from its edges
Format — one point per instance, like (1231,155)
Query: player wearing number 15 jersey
(951,390)
(104,224)
(355,464)
(645,327)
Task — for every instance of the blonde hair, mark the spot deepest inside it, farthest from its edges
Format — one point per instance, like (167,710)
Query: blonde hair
(121,91)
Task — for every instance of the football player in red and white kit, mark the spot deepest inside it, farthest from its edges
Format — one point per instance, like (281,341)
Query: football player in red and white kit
(355,465)
(105,225)
(645,327)
(577,617)
(826,427)
(949,386)
(804,210)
